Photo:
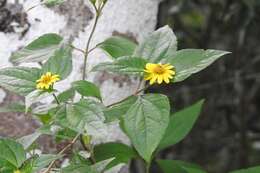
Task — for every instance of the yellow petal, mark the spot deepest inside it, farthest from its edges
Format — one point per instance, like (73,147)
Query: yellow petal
(160,79)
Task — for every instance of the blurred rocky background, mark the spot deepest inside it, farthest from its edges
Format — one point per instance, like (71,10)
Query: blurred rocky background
(227,134)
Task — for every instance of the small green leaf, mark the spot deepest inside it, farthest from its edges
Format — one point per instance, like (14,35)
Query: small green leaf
(181,124)
(248,170)
(43,161)
(39,50)
(20,80)
(11,152)
(78,168)
(66,95)
(86,115)
(28,140)
(172,166)
(190,61)
(146,121)
(123,65)
(86,88)
(53,2)
(14,108)
(120,152)
(118,46)
(159,45)
(116,112)
(60,63)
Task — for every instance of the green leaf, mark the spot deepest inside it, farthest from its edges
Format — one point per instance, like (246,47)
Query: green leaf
(248,170)
(170,166)
(53,2)
(34,97)
(86,88)
(20,80)
(86,115)
(116,112)
(123,65)
(11,152)
(28,140)
(190,61)
(159,45)
(146,121)
(60,63)
(66,95)
(43,161)
(181,124)
(78,168)
(120,152)
(39,50)
(14,108)
(118,46)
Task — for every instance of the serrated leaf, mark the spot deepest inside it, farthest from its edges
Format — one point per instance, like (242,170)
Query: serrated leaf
(170,166)
(11,152)
(146,121)
(118,46)
(39,50)
(20,80)
(60,63)
(123,65)
(86,88)
(190,61)
(120,153)
(86,115)
(116,112)
(28,140)
(159,45)
(180,125)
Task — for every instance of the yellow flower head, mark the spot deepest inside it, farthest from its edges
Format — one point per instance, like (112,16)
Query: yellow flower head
(157,73)
(46,81)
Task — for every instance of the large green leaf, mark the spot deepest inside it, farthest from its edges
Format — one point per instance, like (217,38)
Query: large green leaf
(116,112)
(158,45)
(146,121)
(118,46)
(34,97)
(181,124)
(60,63)
(190,61)
(86,115)
(248,170)
(172,166)
(120,152)
(86,88)
(28,140)
(123,65)
(20,80)
(11,152)
(39,50)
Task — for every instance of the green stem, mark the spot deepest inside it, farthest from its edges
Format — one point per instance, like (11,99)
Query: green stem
(147,167)
(56,98)
(88,44)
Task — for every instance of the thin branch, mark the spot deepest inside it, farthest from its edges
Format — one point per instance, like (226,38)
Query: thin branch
(62,152)
(78,49)
(56,98)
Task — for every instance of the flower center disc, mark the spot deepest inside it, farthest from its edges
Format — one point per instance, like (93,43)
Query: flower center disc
(46,79)
(159,69)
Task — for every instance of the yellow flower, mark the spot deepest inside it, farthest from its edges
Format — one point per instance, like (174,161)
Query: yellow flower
(17,171)
(46,81)
(157,73)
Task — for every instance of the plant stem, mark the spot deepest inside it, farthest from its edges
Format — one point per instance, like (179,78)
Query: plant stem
(56,98)
(147,167)
(88,43)
(62,152)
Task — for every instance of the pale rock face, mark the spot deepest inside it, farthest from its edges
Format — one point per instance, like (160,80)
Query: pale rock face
(134,18)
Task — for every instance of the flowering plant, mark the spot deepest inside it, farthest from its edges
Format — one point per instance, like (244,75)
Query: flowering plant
(144,118)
